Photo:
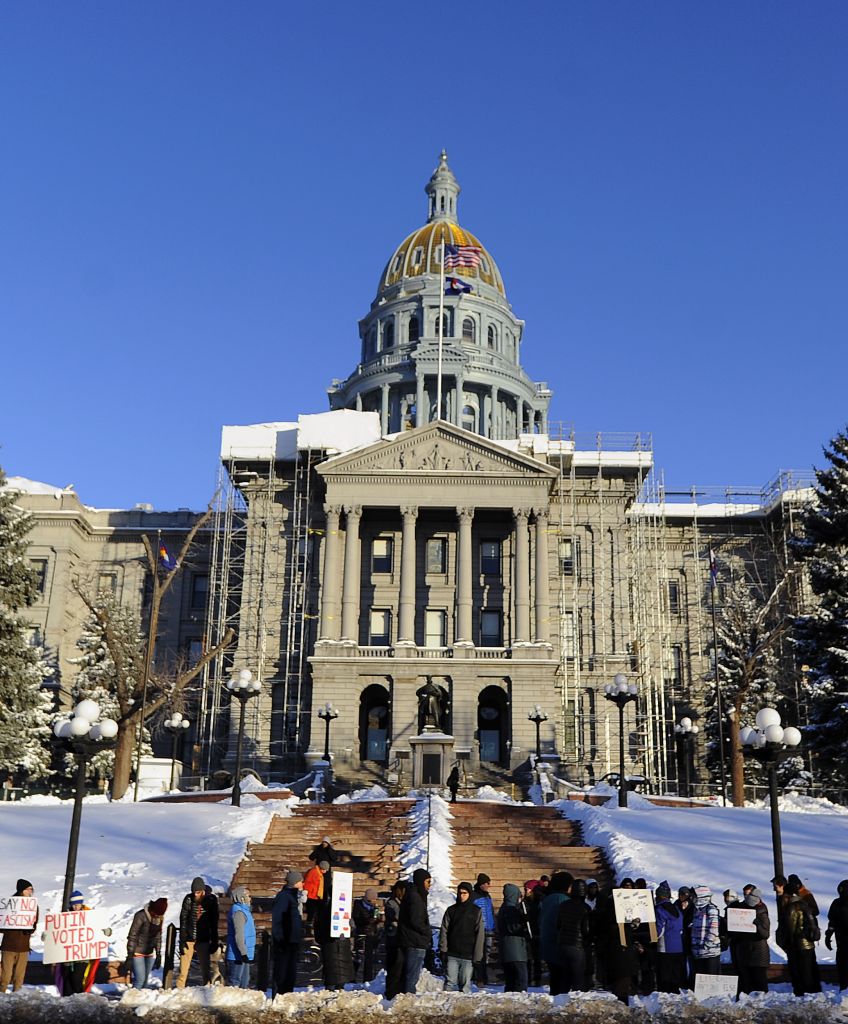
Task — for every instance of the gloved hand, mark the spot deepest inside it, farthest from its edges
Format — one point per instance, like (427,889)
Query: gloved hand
(828,939)
(182,950)
(157,963)
(126,968)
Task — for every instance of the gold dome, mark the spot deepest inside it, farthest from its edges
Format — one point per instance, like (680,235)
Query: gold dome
(419,253)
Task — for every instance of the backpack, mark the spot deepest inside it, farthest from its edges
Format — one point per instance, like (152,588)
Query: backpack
(810,931)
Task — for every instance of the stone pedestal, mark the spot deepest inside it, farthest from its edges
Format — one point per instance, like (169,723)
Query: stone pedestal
(432,755)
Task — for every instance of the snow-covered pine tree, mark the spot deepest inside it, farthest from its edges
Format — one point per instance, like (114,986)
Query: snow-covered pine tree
(748,670)
(25,709)
(821,637)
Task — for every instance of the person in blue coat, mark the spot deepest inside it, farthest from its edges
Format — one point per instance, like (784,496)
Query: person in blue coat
(671,957)
(241,938)
(484,901)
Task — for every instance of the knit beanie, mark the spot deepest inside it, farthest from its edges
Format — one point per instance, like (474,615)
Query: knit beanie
(703,892)
(198,885)
(482,879)
(663,891)
(22,884)
(293,877)
(324,865)
(76,897)
(731,894)
(158,907)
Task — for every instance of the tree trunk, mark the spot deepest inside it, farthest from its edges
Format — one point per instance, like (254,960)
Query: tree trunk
(737,763)
(123,758)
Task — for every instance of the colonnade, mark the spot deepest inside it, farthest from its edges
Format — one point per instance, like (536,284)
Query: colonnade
(340,596)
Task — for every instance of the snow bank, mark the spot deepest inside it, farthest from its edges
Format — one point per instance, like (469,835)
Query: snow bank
(360,795)
(430,848)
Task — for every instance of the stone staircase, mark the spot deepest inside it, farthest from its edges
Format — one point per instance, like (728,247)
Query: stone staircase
(515,842)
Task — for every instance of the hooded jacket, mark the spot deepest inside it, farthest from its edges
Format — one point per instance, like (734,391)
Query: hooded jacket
(462,934)
(413,922)
(669,927)
(512,927)
(704,930)
(286,922)
(145,935)
(837,916)
(241,930)
(752,949)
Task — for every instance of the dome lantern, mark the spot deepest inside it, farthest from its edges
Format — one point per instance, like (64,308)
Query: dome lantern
(443,191)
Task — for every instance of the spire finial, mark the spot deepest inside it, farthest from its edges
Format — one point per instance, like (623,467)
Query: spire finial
(443,191)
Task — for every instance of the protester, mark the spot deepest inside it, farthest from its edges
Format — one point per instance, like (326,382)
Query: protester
(414,935)
(751,948)
(368,922)
(241,938)
(797,933)
(837,925)
(794,886)
(76,976)
(573,936)
(394,956)
(198,931)
(548,945)
(324,851)
(14,949)
(336,950)
(513,934)
(671,960)
(706,944)
(532,905)
(313,886)
(461,939)
(144,942)
(287,932)
(484,902)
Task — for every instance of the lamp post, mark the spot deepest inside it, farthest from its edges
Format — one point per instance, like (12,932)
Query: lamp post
(327,713)
(242,686)
(537,716)
(175,724)
(769,742)
(620,692)
(84,734)
(686,733)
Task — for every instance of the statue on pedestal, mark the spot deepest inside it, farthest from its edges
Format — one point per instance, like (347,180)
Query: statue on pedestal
(431,704)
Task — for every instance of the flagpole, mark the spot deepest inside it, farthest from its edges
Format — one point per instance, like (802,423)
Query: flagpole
(719,701)
(441,330)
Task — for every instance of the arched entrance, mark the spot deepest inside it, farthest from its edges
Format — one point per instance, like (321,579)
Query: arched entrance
(374,724)
(493,725)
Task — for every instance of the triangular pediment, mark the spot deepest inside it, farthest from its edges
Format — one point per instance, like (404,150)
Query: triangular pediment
(440,448)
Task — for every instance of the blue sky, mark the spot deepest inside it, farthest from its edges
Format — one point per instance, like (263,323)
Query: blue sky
(197,200)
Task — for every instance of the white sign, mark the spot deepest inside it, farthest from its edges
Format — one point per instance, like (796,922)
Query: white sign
(633,904)
(740,919)
(74,936)
(341,904)
(708,986)
(18,912)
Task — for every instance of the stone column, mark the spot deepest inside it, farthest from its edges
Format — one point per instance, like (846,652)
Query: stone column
(521,592)
(406,628)
(329,627)
(486,414)
(459,387)
(420,411)
(352,559)
(542,632)
(464,632)
(384,410)
(495,434)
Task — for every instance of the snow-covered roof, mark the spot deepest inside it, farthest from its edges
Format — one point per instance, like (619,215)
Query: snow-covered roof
(24,486)
(338,431)
(691,510)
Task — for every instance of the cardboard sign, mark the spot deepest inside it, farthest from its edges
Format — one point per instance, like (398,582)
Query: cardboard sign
(634,904)
(708,986)
(74,936)
(18,912)
(341,904)
(740,919)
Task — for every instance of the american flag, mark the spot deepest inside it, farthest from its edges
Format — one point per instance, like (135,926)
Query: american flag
(462,256)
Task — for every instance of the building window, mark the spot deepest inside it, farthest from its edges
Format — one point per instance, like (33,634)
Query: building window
(381,554)
(446,326)
(417,256)
(199,592)
(484,264)
(673,597)
(435,628)
(396,264)
(413,332)
(194,651)
(380,631)
(567,638)
(39,568)
(491,628)
(469,418)
(675,668)
(388,334)
(107,583)
(468,331)
(437,556)
(569,556)
(491,336)
(490,557)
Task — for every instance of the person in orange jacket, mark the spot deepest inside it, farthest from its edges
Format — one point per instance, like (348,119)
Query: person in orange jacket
(313,886)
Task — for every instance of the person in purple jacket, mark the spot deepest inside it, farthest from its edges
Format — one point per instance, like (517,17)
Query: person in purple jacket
(671,959)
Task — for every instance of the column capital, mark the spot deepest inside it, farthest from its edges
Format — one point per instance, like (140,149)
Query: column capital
(541,514)
(332,510)
(521,513)
(409,511)
(353,510)
(465,512)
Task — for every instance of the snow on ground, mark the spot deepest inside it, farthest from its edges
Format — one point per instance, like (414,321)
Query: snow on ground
(429,847)
(128,853)
(723,847)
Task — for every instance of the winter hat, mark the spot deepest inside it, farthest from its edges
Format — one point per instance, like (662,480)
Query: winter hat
(293,877)
(663,891)
(482,879)
(327,840)
(779,880)
(626,883)
(730,894)
(842,888)
(794,884)
(703,892)
(324,865)
(22,884)
(420,876)
(158,907)
(76,897)
(532,884)
(466,887)
(753,898)
(198,885)
(591,881)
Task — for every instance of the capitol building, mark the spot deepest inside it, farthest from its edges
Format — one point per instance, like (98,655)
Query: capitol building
(434,529)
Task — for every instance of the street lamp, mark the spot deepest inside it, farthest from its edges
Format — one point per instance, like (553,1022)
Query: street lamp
(620,692)
(686,733)
(84,734)
(175,724)
(242,686)
(769,742)
(327,713)
(537,716)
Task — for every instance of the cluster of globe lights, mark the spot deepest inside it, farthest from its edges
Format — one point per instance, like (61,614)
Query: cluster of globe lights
(83,724)
(686,728)
(176,721)
(244,683)
(769,730)
(619,685)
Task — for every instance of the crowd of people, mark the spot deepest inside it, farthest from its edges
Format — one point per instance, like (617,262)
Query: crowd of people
(559,927)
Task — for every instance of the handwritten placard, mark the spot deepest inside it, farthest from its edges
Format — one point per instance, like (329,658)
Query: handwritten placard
(18,912)
(634,905)
(74,936)
(341,904)
(740,919)
(709,986)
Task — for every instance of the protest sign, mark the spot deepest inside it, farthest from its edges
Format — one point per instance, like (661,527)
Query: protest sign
(74,936)
(341,904)
(708,986)
(740,919)
(632,905)
(18,912)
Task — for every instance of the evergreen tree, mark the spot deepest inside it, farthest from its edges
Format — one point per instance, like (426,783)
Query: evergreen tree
(25,708)
(821,637)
